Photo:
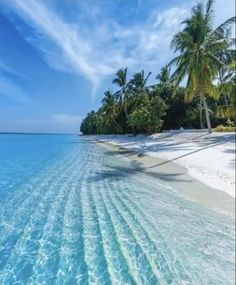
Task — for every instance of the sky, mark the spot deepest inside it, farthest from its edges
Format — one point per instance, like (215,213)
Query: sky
(57,57)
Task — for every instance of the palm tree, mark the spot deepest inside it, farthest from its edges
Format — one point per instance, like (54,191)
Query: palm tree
(198,44)
(122,94)
(138,86)
(227,89)
(164,84)
(139,81)
(227,73)
(110,109)
(164,76)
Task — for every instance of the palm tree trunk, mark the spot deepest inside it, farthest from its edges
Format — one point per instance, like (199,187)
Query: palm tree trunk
(126,112)
(200,110)
(207,114)
(124,99)
(117,126)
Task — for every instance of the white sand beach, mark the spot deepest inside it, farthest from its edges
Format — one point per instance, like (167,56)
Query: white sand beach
(210,158)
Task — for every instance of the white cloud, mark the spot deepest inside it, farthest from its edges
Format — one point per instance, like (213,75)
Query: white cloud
(151,41)
(98,49)
(170,18)
(65,36)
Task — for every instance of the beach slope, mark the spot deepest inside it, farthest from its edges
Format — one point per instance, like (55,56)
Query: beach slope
(210,158)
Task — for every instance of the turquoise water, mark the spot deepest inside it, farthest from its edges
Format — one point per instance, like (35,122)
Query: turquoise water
(72,213)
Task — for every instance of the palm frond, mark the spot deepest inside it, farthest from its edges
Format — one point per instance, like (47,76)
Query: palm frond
(221,29)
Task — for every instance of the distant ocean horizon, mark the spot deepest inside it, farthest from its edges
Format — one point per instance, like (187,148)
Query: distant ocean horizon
(37,133)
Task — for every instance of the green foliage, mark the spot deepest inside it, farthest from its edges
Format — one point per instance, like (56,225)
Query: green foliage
(200,47)
(222,128)
(148,114)
(226,90)
(89,124)
(138,119)
(230,123)
(205,55)
(157,110)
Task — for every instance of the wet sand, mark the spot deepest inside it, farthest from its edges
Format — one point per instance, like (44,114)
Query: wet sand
(176,177)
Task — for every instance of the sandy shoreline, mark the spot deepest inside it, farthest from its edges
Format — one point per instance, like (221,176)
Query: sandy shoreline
(171,172)
(210,158)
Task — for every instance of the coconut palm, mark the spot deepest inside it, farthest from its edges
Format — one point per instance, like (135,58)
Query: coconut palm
(227,56)
(123,93)
(164,76)
(198,44)
(164,85)
(111,110)
(139,81)
(227,89)
(138,86)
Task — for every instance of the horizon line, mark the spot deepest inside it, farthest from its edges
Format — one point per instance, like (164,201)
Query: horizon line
(37,133)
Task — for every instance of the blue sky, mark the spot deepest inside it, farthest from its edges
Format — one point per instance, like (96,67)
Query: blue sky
(57,57)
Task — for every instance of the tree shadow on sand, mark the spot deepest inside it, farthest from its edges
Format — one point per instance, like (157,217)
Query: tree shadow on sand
(120,172)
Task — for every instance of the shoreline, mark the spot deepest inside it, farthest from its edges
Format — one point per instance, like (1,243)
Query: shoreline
(175,176)
(209,158)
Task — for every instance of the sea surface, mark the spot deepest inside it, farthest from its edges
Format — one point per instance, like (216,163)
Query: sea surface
(72,212)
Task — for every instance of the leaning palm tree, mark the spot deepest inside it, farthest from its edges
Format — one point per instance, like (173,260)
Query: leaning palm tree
(123,93)
(198,44)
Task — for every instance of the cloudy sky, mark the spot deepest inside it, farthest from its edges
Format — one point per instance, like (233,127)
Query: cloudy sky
(57,57)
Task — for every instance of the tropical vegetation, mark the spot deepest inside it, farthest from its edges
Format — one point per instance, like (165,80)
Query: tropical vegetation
(205,64)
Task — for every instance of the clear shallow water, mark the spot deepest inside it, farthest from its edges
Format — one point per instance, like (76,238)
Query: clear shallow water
(71,213)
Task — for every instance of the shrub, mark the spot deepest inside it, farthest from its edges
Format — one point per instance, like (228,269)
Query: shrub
(222,128)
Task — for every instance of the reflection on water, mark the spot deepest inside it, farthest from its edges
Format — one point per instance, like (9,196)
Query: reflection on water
(82,217)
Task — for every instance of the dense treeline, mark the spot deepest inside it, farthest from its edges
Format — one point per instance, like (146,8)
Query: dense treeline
(205,60)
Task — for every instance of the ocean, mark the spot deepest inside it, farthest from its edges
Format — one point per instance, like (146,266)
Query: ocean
(73,212)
